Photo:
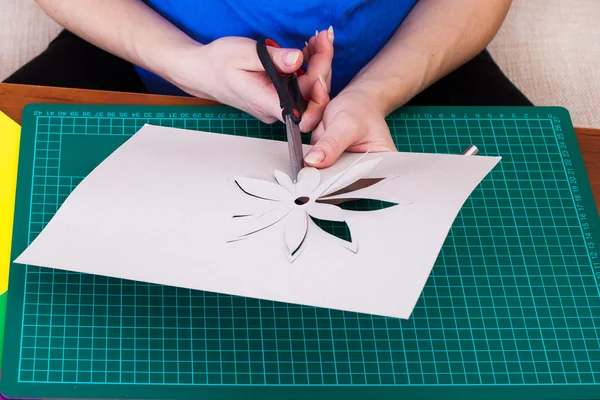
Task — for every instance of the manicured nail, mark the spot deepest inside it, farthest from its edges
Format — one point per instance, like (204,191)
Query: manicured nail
(323,83)
(306,44)
(314,157)
(291,57)
(316,32)
(330,34)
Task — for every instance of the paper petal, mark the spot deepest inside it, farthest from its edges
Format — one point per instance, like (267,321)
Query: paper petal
(325,212)
(337,231)
(295,229)
(354,237)
(366,205)
(284,180)
(247,225)
(308,180)
(263,189)
(360,184)
(349,176)
(342,199)
(293,257)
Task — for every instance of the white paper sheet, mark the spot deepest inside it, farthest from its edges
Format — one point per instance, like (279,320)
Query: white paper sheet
(160,209)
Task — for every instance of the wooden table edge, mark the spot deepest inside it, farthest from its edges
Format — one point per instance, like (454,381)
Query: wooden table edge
(14,97)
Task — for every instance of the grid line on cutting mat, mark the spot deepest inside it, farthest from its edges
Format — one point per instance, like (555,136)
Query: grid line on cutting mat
(512,298)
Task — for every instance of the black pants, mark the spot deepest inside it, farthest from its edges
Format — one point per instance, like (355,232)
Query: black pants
(72,62)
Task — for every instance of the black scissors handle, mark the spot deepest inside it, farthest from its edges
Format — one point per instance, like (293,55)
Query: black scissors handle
(292,103)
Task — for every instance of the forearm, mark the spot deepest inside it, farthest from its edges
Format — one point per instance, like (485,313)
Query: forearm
(127,28)
(437,37)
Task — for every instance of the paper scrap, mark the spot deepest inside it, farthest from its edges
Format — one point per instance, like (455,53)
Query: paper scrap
(162,208)
(10,133)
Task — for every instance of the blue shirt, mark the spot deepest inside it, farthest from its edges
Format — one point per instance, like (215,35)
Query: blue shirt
(362,27)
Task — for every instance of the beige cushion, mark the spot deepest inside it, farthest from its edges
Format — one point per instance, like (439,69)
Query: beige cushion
(549,48)
(24,32)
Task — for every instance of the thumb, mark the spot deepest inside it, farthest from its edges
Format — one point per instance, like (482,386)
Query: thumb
(331,142)
(285,60)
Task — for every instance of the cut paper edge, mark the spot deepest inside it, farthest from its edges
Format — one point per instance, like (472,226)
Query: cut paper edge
(361,185)
(372,192)
(348,176)
(262,189)
(296,230)
(325,212)
(257,209)
(350,245)
(352,175)
(327,184)
(347,203)
(336,200)
(246,226)
(284,180)
(353,244)
(293,257)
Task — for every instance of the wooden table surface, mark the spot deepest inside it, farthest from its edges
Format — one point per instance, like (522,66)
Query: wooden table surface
(14,97)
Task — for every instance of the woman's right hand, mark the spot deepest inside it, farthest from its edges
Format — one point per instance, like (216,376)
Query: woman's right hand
(229,71)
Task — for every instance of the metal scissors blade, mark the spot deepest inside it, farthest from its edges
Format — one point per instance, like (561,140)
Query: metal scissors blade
(291,101)
(294,140)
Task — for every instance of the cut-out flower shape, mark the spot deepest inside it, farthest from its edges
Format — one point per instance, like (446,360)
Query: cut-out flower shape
(308,198)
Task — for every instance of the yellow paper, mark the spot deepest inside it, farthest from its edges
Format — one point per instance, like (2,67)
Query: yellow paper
(10,133)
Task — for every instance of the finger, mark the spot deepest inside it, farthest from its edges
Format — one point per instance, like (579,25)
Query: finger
(285,60)
(323,49)
(331,140)
(259,98)
(328,81)
(319,64)
(310,47)
(319,98)
(306,52)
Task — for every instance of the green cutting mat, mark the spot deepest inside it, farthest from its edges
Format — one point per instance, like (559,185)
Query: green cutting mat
(512,307)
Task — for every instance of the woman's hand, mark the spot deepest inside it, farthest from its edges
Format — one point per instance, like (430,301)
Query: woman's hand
(350,123)
(410,61)
(229,71)
(318,55)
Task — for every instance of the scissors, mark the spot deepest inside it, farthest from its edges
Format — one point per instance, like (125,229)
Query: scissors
(291,101)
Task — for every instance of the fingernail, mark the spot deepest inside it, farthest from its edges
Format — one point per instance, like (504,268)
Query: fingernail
(316,32)
(306,44)
(330,34)
(291,57)
(314,157)
(323,83)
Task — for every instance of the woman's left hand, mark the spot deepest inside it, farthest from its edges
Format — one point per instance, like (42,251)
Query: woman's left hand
(350,123)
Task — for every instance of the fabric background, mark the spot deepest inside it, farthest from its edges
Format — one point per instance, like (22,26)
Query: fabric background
(549,48)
